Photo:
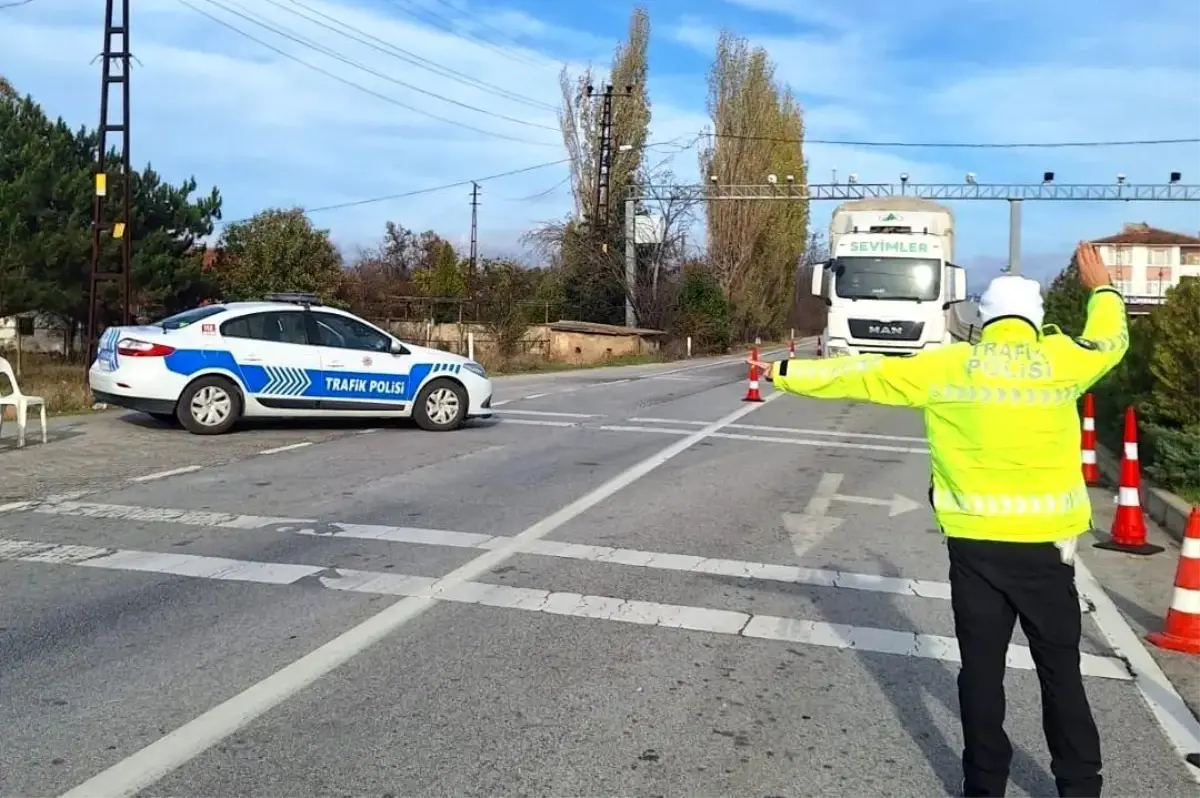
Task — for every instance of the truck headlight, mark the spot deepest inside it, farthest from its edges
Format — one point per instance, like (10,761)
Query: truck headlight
(475,368)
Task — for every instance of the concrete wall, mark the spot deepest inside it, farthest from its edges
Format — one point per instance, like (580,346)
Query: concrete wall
(542,341)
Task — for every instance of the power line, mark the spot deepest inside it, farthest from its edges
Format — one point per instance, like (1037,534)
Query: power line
(351,83)
(457,184)
(430,190)
(287,33)
(508,52)
(416,60)
(956,145)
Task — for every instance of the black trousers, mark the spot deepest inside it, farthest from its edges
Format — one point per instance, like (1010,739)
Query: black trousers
(992,585)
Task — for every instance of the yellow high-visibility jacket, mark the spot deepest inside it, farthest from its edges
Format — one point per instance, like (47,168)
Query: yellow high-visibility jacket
(1001,417)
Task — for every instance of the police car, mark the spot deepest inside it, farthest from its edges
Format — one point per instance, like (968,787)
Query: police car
(288,356)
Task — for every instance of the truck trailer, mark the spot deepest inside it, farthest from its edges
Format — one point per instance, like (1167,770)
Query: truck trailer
(890,283)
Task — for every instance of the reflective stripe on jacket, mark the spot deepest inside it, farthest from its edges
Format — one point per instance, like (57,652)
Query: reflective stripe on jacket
(1001,417)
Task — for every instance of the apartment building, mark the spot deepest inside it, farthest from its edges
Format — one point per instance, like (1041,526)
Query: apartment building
(1144,262)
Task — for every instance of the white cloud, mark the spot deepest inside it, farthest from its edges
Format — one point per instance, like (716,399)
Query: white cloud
(267,130)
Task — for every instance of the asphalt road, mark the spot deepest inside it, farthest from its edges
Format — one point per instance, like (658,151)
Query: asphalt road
(630,582)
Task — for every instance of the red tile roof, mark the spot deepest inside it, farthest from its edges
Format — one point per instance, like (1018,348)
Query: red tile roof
(1142,233)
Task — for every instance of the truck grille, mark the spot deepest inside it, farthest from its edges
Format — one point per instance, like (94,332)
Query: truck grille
(873,329)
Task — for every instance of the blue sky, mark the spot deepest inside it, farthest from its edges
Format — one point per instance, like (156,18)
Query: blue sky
(268,131)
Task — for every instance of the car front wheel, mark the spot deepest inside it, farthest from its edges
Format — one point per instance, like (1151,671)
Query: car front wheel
(209,406)
(441,406)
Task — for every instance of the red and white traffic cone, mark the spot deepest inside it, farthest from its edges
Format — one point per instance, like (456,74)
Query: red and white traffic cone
(1091,472)
(792,347)
(1181,630)
(1129,524)
(752,394)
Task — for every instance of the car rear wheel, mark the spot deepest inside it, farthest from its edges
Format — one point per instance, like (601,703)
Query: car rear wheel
(209,406)
(441,406)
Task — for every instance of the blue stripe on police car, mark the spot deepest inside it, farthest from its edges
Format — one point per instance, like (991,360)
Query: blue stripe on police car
(308,383)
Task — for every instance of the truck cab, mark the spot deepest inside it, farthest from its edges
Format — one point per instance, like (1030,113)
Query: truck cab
(890,283)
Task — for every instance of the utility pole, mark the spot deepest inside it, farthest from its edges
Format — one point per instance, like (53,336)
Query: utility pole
(474,228)
(604,154)
(116,52)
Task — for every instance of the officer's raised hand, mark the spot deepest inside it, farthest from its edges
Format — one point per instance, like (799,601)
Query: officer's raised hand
(1092,272)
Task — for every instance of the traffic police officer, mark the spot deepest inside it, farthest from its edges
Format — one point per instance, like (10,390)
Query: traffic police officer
(1008,492)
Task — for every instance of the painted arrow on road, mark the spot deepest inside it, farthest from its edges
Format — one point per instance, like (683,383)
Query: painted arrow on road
(897,504)
(806,530)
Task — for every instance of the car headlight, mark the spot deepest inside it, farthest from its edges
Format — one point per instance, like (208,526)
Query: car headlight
(475,368)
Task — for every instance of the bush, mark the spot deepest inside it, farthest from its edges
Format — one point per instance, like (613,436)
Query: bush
(1160,378)
(1173,455)
(703,311)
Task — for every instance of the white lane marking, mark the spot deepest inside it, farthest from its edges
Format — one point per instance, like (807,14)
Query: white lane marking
(654,560)
(1174,716)
(287,448)
(501,402)
(148,765)
(787,430)
(167,515)
(220,568)
(733,436)
(538,422)
(168,473)
(535,396)
(13,507)
(549,414)
(464,591)
(361,432)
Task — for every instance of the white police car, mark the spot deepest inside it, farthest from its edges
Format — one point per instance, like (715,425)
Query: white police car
(288,356)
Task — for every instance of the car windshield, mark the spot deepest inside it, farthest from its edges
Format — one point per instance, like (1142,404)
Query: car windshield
(188,317)
(915,279)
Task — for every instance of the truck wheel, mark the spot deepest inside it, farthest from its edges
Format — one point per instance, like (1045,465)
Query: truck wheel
(209,406)
(441,406)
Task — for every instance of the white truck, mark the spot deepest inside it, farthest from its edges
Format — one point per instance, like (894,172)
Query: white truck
(890,282)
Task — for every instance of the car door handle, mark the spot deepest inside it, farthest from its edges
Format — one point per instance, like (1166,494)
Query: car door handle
(253,358)
(337,364)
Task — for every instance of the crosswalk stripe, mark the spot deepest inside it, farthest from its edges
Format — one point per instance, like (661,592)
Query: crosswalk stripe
(654,560)
(647,613)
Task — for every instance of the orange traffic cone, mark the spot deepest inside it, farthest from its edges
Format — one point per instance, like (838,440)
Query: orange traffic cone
(752,394)
(1091,473)
(1181,630)
(1129,524)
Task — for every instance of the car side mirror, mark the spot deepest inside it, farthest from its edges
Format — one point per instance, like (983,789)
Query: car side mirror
(398,348)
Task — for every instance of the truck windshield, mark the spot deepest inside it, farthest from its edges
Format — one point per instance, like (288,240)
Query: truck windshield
(915,279)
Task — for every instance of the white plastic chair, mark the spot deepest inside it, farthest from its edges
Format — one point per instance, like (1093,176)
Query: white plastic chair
(21,403)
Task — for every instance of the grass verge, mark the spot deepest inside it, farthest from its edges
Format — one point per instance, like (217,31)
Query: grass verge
(62,383)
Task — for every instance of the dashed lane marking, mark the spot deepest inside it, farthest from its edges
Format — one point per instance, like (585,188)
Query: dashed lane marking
(287,448)
(168,473)
(549,414)
(608,608)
